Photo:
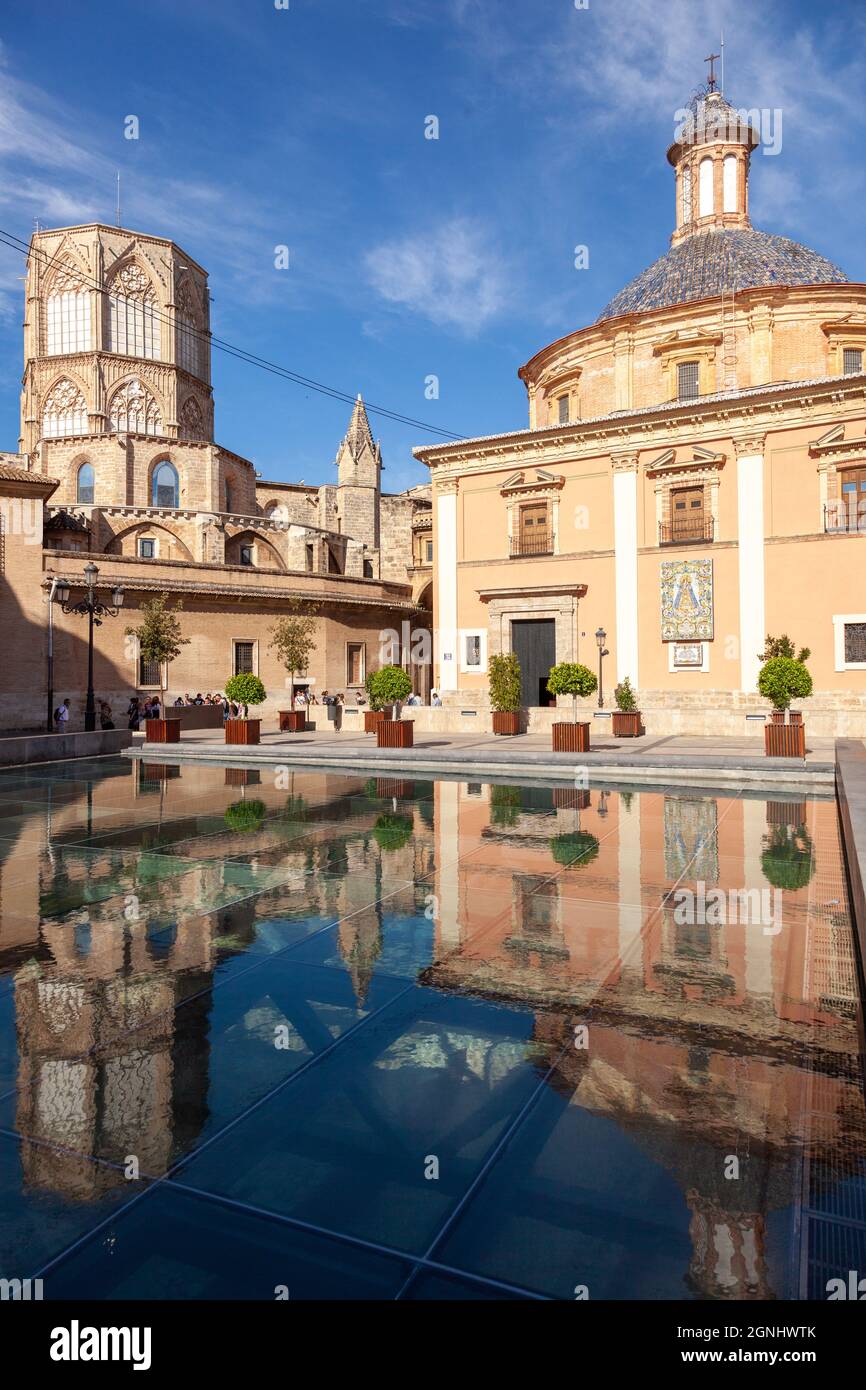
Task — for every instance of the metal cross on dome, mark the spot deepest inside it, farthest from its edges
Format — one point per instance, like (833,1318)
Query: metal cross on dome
(711,80)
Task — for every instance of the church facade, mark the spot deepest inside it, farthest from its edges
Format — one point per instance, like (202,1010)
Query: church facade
(117,462)
(693,477)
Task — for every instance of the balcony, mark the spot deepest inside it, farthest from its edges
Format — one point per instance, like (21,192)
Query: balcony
(690,530)
(538,543)
(844,519)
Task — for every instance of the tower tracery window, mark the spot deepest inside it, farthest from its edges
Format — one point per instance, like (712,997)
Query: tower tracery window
(165,486)
(133,314)
(65,410)
(192,420)
(68,312)
(190,344)
(134,410)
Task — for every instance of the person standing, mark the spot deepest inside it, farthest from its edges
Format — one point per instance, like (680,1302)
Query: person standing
(133,715)
(61,717)
(105,719)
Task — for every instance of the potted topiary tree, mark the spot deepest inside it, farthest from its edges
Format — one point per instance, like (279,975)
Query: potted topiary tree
(388,686)
(570,678)
(503,679)
(374,714)
(244,689)
(626,720)
(782,679)
(392,831)
(293,638)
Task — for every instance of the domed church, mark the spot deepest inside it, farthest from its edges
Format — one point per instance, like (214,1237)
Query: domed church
(693,476)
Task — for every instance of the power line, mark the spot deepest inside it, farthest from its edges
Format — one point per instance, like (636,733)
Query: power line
(241,354)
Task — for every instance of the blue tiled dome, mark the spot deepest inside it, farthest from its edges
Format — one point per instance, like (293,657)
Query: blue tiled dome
(706,264)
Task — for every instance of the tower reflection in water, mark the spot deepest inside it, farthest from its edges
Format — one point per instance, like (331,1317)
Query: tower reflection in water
(179,942)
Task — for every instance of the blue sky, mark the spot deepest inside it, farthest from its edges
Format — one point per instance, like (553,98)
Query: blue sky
(409,257)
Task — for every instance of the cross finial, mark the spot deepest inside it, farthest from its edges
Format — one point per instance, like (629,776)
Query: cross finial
(711,80)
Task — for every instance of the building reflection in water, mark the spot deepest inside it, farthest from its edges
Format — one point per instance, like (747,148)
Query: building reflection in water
(709,1041)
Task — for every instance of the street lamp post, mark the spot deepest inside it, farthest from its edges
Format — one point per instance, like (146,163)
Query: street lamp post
(91,607)
(601,637)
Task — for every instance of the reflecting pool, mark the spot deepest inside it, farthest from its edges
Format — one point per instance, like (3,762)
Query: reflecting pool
(344,1037)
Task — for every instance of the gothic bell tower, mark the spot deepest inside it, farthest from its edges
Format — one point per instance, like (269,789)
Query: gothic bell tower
(359,469)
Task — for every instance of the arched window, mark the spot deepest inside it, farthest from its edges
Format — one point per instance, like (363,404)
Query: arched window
(687,193)
(86,483)
(134,410)
(705,188)
(190,342)
(165,485)
(133,314)
(729,183)
(68,312)
(65,410)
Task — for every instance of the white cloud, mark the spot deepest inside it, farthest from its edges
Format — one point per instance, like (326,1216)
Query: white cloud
(452,274)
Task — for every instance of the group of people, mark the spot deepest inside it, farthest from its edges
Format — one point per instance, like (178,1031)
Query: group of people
(61,716)
(200,699)
(152,708)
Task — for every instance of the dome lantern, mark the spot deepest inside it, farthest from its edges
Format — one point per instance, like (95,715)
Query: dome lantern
(710,153)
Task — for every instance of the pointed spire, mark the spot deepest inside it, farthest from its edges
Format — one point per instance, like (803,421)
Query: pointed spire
(359,435)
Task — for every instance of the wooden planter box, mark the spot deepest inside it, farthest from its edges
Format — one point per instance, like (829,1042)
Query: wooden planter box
(292,721)
(162,730)
(395,733)
(242,777)
(786,813)
(784,740)
(505,722)
(372,719)
(243,730)
(571,738)
(627,725)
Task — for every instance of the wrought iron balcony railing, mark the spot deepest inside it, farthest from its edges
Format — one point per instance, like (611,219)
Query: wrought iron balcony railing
(844,519)
(539,543)
(691,530)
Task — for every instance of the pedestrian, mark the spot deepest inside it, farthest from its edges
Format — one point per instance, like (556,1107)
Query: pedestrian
(105,719)
(434,700)
(326,698)
(61,717)
(133,714)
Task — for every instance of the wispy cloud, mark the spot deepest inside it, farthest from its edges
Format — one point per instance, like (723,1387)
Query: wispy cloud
(452,274)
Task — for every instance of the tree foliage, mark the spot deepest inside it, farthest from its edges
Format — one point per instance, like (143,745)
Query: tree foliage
(293,639)
(572,678)
(626,700)
(782,679)
(388,686)
(782,646)
(159,634)
(504,682)
(245,689)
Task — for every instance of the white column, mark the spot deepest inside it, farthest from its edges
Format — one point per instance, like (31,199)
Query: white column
(759,944)
(625,553)
(750,534)
(446,583)
(630,888)
(447,806)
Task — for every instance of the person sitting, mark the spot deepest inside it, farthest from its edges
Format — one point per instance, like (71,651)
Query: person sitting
(360,697)
(434,700)
(105,719)
(178,701)
(198,699)
(414,699)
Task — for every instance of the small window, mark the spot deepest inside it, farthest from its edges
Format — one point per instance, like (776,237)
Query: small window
(688,381)
(473,649)
(147,548)
(852,361)
(309,558)
(244,658)
(86,481)
(428,552)
(855,643)
(562,404)
(246,555)
(368,569)
(148,673)
(354,663)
